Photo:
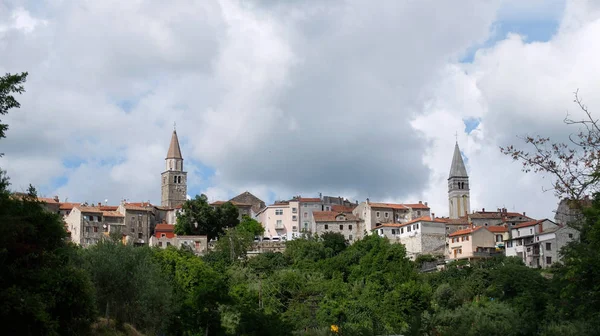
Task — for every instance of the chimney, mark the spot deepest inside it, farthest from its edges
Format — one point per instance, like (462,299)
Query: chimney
(524,213)
(356,202)
(99,204)
(432,216)
(482,209)
(367,200)
(426,204)
(56,198)
(541,228)
(320,195)
(420,202)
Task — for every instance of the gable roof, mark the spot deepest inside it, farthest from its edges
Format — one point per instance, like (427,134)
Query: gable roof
(68,206)
(530,223)
(388,206)
(164,227)
(331,216)
(309,199)
(465,231)
(457,169)
(239,204)
(341,208)
(174,150)
(112,214)
(88,209)
(497,229)
(247,198)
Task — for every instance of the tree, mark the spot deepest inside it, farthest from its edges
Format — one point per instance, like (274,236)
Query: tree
(334,241)
(200,218)
(574,166)
(9,85)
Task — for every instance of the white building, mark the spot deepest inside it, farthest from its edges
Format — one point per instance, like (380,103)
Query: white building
(423,235)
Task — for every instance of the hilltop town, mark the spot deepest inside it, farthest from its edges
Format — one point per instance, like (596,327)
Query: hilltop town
(463,235)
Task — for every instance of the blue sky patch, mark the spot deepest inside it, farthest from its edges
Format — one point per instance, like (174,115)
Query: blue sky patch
(471,124)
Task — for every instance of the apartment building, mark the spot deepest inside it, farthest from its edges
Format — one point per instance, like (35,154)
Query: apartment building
(475,242)
(280,220)
(88,225)
(347,224)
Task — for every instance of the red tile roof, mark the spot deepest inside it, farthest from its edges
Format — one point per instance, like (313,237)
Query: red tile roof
(109,207)
(138,206)
(496,229)
(465,231)
(112,214)
(68,206)
(417,220)
(164,227)
(47,200)
(417,206)
(330,216)
(530,223)
(341,208)
(88,209)
(142,204)
(388,206)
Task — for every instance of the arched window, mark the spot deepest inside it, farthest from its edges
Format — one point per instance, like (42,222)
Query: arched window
(179,179)
(174,179)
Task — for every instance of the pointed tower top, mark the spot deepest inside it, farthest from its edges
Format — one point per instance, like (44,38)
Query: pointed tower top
(458,166)
(174,150)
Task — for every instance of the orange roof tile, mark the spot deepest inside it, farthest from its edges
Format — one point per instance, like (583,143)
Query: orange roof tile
(530,223)
(388,206)
(164,227)
(239,204)
(138,206)
(341,208)
(112,214)
(47,200)
(68,206)
(330,216)
(109,207)
(465,231)
(496,229)
(417,206)
(88,209)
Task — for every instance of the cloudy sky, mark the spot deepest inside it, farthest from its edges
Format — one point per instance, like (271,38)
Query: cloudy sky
(352,98)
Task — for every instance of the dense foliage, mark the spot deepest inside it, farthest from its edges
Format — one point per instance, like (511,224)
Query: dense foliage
(200,218)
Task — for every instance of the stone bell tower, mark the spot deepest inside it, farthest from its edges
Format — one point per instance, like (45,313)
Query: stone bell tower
(458,187)
(174,179)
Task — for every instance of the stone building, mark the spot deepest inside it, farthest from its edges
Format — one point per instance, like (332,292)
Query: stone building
(569,211)
(458,187)
(174,178)
(538,242)
(139,221)
(88,225)
(375,214)
(423,235)
(244,209)
(349,225)
(247,198)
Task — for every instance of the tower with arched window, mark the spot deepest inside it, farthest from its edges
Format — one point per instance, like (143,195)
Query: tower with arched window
(458,187)
(174,179)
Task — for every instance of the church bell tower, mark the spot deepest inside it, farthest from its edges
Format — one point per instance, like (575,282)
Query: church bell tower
(174,179)
(458,187)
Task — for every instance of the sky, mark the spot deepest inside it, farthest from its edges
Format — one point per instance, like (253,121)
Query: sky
(281,98)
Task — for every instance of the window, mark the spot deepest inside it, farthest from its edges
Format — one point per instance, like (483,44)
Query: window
(401,230)
(509,243)
(378,214)
(132,229)
(294,218)
(570,235)
(168,244)
(537,238)
(305,225)
(467,239)
(498,238)
(350,237)
(548,246)
(326,226)
(160,244)
(548,260)
(393,231)
(408,229)
(419,213)
(279,212)
(87,229)
(518,233)
(386,215)
(140,235)
(162,235)
(462,238)
(197,245)
(95,229)
(486,224)
(294,210)
(416,226)
(350,227)
(174,179)
(279,223)
(341,227)
(530,231)
(459,251)
(178,179)
(327,208)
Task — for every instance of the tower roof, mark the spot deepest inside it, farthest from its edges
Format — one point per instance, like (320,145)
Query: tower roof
(174,150)
(458,166)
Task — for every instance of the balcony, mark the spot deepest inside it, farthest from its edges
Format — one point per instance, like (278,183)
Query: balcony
(279,226)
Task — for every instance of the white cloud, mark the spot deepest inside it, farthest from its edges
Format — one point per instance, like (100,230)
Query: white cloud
(287,98)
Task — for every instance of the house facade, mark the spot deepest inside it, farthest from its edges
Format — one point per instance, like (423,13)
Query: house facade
(475,242)
(346,224)
(280,221)
(424,235)
(88,225)
(375,214)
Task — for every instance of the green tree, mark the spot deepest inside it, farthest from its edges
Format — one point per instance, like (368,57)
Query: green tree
(200,218)
(9,85)
(335,242)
